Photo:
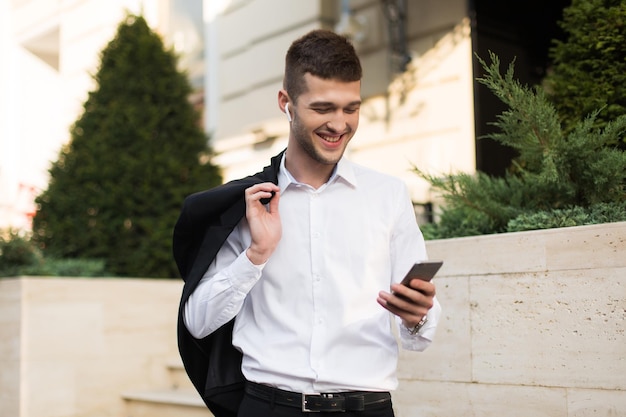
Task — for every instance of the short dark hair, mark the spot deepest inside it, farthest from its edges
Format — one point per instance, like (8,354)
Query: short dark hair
(321,53)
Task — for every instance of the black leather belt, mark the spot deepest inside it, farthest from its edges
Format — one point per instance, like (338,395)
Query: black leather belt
(315,403)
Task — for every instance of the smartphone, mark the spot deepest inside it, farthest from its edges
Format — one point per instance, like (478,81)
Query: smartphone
(425,271)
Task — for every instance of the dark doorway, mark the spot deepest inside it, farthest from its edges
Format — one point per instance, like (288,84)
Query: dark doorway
(520,30)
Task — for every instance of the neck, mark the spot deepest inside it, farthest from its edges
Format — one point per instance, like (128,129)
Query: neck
(307,171)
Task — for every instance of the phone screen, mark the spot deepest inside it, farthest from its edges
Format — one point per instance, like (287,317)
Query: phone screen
(425,271)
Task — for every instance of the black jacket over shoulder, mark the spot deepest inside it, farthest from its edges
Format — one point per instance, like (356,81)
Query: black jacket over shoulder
(206,220)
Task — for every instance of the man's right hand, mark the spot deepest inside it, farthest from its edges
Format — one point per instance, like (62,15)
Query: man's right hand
(265,225)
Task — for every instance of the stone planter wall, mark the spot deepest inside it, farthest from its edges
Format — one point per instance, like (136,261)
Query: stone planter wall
(69,346)
(533,325)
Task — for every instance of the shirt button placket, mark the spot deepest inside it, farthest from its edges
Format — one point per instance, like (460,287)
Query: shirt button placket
(317,272)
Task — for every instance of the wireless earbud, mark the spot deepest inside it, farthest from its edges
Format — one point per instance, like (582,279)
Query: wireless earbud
(287,112)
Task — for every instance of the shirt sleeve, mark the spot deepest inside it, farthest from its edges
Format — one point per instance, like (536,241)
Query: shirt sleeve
(222,290)
(408,247)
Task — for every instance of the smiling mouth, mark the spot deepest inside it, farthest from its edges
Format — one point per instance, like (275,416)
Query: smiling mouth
(331,139)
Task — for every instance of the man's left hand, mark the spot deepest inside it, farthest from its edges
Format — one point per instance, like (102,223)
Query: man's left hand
(409,303)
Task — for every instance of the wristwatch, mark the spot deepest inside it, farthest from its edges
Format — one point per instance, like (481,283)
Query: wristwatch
(418,326)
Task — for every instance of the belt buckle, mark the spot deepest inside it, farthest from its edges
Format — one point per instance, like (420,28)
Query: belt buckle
(304,404)
(329,408)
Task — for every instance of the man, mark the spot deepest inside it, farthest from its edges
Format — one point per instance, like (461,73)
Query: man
(305,280)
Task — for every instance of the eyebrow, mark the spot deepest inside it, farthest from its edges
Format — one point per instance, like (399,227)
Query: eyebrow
(331,104)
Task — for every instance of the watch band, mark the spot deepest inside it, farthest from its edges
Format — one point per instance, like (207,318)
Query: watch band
(418,326)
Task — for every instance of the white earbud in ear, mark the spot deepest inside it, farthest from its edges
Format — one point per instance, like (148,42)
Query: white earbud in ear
(287,112)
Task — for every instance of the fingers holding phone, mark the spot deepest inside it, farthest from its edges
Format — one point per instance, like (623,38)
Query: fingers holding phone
(416,299)
(419,276)
(414,296)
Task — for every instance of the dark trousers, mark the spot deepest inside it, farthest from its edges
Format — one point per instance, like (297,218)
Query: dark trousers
(254,407)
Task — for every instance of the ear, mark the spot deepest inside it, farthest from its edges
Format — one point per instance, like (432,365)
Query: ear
(283,103)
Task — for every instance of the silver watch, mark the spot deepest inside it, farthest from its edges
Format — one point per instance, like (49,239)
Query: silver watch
(418,326)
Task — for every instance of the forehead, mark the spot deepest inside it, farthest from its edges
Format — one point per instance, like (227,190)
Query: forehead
(320,90)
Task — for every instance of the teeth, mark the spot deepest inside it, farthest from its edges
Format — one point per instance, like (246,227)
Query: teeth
(330,139)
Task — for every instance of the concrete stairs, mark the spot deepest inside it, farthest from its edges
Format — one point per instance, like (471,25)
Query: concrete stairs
(180,399)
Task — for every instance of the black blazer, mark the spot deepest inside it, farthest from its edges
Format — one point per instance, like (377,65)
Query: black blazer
(205,221)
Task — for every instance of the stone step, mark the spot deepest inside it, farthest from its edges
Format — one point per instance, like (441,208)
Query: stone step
(165,403)
(178,375)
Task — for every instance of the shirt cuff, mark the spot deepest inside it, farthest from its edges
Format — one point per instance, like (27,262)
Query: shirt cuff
(422,339)
(417,342)
(243,274)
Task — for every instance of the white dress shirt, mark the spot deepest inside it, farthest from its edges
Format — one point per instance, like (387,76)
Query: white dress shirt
(307,320)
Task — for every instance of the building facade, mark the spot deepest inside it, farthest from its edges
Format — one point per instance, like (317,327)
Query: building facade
(49,52)
(422,106)
(417,86)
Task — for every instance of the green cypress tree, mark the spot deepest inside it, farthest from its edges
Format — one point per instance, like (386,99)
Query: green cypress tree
(589,66)
(116,189)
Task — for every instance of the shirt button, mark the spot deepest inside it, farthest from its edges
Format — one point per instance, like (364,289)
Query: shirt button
(316,235)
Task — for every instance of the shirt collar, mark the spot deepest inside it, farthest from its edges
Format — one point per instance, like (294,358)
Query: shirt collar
(344,171)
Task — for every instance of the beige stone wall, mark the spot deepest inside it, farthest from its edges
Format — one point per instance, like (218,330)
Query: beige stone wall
(10,344)
(533,325)
(72,346)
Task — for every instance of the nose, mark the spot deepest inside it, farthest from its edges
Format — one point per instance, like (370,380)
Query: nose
(338,122)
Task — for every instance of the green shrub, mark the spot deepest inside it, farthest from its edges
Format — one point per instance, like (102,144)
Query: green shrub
(16,254)
(68,268)
(554,170)
(573,216)
(20,256)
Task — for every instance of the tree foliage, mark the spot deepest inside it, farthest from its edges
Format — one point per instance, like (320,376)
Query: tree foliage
(589,71)
(554,170)
(135,153)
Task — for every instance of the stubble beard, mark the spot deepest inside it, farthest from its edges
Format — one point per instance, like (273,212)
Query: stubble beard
(306,142)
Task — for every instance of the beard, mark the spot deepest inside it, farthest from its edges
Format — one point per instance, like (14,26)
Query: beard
(307,144)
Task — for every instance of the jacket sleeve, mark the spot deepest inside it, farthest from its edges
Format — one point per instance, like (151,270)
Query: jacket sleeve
(212,363)
(204,223)
(182,241)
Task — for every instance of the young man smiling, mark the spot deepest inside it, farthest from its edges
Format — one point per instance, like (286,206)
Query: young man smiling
(291,274)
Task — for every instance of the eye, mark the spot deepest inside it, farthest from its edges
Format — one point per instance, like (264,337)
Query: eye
(323,110)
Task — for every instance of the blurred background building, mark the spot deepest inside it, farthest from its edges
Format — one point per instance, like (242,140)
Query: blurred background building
(422,105)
